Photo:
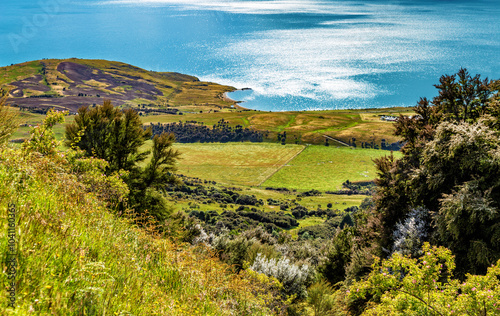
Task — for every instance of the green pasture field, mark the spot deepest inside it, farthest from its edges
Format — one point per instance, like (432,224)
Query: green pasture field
(326,168)
(309,221)
(339,202)
(258,164)
(234,163)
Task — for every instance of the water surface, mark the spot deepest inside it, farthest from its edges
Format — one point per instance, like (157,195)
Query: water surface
(294,54)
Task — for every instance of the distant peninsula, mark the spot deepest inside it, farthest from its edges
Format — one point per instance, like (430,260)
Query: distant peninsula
(67,84)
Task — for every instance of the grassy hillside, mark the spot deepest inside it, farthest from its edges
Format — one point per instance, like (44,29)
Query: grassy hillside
(365,125)
(75,257)
(67,84)
(70,83)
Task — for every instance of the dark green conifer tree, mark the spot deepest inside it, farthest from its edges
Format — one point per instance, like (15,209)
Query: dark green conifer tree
(116,136)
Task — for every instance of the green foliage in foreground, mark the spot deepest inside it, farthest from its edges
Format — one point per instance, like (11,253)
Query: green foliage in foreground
(425,286)
(75,257)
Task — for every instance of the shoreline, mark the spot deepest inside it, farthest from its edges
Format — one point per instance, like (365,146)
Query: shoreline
(236,103)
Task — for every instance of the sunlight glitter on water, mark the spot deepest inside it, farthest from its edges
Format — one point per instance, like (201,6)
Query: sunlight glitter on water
(294,54)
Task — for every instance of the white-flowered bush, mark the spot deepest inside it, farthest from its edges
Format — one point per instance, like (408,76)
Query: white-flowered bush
(410,235)
(295,279)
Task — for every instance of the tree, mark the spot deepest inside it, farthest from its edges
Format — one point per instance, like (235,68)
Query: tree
(160,168)
(461,165)
(146,185)
(450,166)
(115,136)
(462,97)
(338,256)
(106,132)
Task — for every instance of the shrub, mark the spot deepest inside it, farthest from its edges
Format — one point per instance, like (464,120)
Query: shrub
(295,279)
(320,299)
(338,256)
(42,139)
(248,200)
(315,231)
(311,252)
(299,212)
(410,235)
(273,202)
(309,193)
(409,286)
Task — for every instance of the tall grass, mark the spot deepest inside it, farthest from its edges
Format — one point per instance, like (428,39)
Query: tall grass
(9,121)
(76,257)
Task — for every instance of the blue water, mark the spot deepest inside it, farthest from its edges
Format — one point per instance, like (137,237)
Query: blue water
(294,54)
